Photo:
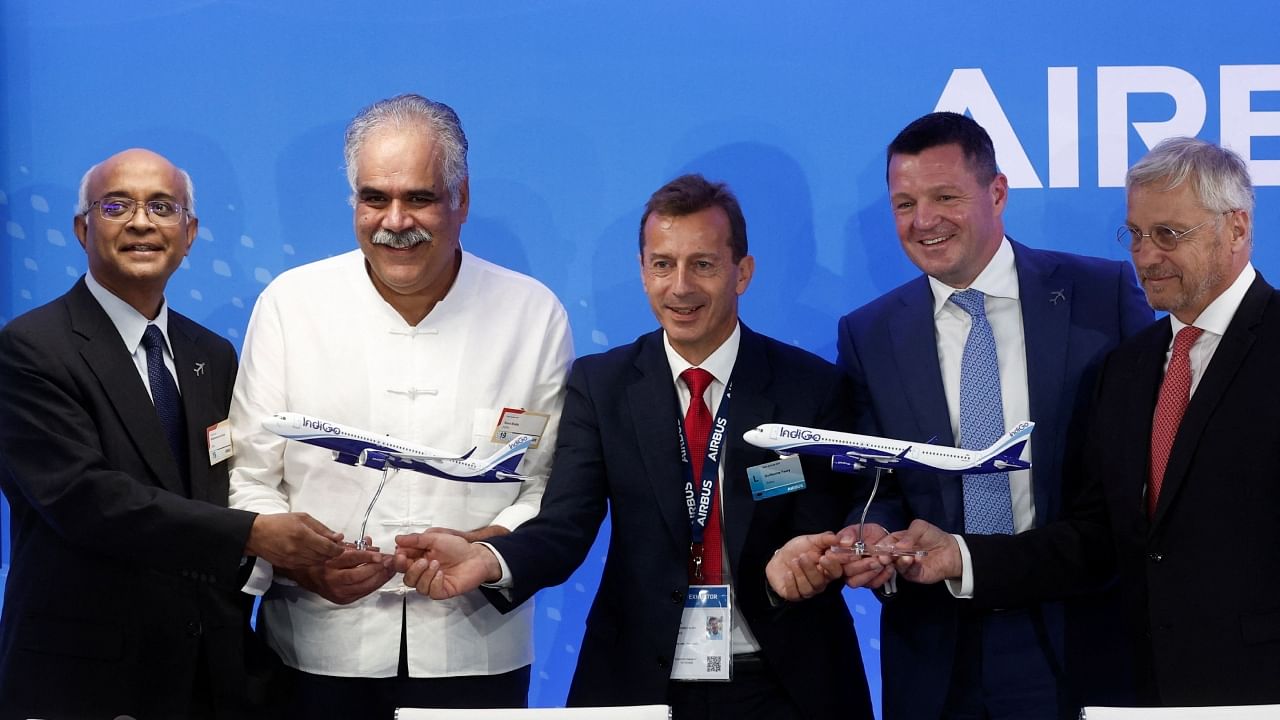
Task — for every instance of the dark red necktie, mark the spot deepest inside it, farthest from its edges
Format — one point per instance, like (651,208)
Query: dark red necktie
(697,428)
(1175,393)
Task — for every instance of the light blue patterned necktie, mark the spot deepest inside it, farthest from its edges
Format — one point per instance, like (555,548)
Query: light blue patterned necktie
(988,509)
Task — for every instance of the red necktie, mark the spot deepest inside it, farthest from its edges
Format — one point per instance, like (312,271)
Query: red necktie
(697,428)
(1175,393)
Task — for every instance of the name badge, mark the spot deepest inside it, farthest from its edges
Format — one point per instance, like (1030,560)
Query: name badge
(218,438)
(776,478)
(517,421)
(702,645)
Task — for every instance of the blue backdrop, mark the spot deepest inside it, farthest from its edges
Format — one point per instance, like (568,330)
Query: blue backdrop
(577,110)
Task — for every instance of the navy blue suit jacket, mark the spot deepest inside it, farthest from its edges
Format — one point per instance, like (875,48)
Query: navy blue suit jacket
(1074,310)
(618,451)
(1205,622)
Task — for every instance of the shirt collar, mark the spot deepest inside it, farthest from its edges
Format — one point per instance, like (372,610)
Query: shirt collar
(128,321)
(1217,315)
(998,279)
(719,363)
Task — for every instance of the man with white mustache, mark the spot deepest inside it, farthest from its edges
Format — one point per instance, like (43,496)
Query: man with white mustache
(1048,318)
(411,336)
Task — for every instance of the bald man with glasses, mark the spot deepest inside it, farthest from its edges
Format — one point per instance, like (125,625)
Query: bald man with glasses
(123,596)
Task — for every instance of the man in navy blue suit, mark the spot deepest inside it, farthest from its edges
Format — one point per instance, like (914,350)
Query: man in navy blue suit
(620,449)
(1048,318)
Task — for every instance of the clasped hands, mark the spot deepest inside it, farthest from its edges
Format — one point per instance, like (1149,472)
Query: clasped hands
(808,564)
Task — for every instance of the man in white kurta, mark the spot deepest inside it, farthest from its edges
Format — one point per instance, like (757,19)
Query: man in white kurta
(420,340)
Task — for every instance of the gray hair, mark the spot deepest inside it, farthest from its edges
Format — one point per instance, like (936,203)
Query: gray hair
(1219,178)
(82,205)
(412,111)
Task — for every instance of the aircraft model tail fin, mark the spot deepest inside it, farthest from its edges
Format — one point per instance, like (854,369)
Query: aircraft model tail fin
(1006,453)
(507,459)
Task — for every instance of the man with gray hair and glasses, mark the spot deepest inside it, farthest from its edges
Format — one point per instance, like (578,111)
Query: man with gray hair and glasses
(413,337)
(1180,481)
(123,597)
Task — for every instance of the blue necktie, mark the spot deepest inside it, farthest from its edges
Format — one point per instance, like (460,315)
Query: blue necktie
(164,393)
(988,509)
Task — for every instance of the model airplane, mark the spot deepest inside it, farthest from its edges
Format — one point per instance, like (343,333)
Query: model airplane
(850,452)
(352,446)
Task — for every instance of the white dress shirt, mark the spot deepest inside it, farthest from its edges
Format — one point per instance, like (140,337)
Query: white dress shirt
(131,324)
(720,365)
(323,342)
(1213,320)
(998,281)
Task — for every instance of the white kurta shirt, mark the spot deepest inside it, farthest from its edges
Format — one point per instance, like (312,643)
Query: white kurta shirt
(323,342)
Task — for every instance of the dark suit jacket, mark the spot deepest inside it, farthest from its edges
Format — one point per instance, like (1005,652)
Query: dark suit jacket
(118,581)
(1074,310)
(1200,581)
(618,451)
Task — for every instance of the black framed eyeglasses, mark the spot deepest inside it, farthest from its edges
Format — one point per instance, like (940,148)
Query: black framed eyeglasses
(1164,237)
(122,209)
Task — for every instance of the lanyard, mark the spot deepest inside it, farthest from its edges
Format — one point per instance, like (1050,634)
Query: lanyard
(697,500)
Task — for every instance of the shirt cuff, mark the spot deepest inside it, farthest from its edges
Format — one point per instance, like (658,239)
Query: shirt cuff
(504,582)
(259,578)
(963,587)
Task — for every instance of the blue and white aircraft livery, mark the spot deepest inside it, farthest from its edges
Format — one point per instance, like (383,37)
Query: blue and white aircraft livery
(352,446)
(851,453)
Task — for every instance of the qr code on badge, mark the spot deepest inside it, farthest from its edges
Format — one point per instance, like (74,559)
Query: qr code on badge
(713,663)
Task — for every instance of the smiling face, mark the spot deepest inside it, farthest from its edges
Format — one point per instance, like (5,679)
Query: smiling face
(404,219)
(692,281)
(134,259)
(949,222)
(1202,265)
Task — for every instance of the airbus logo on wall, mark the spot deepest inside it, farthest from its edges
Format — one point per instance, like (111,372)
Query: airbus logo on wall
(967,91)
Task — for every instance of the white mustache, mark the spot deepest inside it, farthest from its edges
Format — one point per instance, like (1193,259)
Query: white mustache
(402,240)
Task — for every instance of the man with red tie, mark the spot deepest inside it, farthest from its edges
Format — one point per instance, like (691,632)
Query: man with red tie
(652,433)
(1181,480)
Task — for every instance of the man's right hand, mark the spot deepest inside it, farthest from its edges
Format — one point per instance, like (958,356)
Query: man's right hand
(943,561)
(442,565)
(292,540)
(348,577)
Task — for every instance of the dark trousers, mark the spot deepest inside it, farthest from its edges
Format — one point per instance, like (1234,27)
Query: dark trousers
(754,692)
(1004,669)
(341,698)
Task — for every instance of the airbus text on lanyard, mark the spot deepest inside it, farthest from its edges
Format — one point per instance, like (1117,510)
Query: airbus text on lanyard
(698,498)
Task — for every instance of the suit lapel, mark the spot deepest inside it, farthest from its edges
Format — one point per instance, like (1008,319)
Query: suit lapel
(914,348)
(190,361)
(749,407)
(110,362)
(1141,381)
(1046,301)
(1231,352)
(655,413)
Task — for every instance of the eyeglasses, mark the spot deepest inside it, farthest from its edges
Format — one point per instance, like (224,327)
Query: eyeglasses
(122,210)
(1164,237)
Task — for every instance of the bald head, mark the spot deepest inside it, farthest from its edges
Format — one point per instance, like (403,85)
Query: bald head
(133,157)
(131,233)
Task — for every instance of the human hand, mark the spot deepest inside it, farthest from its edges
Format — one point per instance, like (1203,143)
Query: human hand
(292,540)
(869,571)
(444,564)
(802,568)
(942,561)
(348,577)
(476,535)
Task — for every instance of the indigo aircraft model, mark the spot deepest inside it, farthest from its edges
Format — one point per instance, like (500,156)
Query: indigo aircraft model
(851,453)
(352,446)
